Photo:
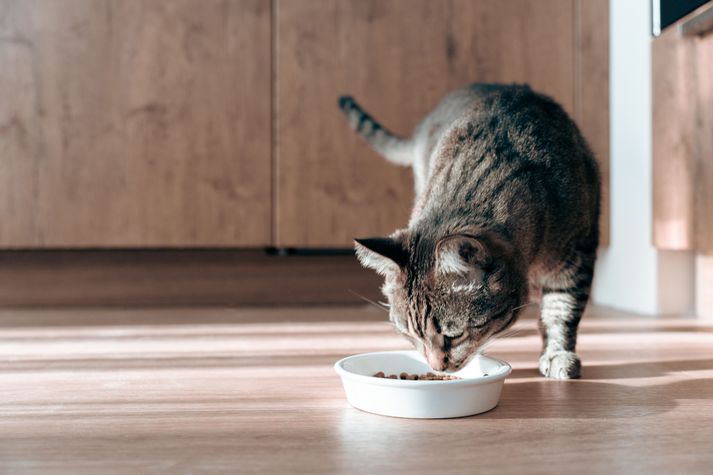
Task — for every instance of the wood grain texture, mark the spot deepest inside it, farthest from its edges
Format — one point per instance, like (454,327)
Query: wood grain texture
(682,142)
(592,90)
(704,134)
(674,140)
(253,391)
(134,123)
(187,278)
(397,58)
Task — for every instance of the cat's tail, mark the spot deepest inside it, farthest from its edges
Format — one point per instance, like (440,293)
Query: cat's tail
(396,149)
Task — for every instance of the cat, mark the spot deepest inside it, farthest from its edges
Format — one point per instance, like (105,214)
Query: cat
(507,197)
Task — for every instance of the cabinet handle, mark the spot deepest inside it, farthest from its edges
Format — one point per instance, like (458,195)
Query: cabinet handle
(697,25)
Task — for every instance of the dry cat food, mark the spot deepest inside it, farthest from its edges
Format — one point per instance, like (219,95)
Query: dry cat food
(417,377)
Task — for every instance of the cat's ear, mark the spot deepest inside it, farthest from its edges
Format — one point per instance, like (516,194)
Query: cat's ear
(383,254)
(462,255)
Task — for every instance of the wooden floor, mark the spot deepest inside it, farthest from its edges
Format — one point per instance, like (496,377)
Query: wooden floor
(253,391)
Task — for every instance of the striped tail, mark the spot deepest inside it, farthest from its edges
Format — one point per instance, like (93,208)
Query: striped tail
(396,149)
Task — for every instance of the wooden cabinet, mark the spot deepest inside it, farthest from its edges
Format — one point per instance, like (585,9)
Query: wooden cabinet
(673,110)
(134,123)
(174,123)
(397,58)
(591,94)
(682,106)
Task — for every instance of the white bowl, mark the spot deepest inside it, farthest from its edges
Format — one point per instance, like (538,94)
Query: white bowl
(473,394)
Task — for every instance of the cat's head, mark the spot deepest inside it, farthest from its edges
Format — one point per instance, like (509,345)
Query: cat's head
(447,295)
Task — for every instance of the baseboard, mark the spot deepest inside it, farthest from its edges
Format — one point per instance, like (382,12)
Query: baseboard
(180,278)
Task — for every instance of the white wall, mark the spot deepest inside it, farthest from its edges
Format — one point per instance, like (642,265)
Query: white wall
(631,274)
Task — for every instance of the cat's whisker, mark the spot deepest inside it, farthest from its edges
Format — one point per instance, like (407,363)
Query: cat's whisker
(510,333)
(505,334)
(368,300)
(493,338)
(481,349)
(525,305)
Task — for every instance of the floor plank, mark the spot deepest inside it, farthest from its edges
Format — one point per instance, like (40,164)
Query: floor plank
(253,391)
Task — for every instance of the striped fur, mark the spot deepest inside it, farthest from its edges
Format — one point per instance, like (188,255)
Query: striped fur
(507,197)
(396,149)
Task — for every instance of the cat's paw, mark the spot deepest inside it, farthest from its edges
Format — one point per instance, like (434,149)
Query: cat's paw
(560,365)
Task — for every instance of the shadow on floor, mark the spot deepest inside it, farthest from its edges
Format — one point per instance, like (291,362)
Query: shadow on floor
(649,369)
(525,332)
(548,399)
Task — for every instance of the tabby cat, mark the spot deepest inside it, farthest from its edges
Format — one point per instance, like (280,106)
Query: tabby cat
(507,198)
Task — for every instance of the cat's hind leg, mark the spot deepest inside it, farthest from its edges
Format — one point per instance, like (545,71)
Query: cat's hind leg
(565,293)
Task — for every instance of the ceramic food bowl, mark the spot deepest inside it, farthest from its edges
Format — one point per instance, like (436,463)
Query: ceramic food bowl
(477,391)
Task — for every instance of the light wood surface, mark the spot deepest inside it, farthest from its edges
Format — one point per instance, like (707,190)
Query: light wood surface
(186,278)
(397,58)
(253,391)
(592,90)
(682,142)
(674,140)
(147,123)
(704,134)
(134,123)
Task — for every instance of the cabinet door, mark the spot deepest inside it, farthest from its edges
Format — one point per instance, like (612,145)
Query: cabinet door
(591,96)
(682,142)
(134,123)
(397,58)
(674,109)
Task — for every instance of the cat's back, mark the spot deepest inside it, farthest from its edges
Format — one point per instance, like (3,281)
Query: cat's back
(524,119)
(507,127)
(506,154)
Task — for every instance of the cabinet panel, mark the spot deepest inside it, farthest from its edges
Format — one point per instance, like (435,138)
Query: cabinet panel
(134,123)
(674,141)
(682,142)
(397,58)
(592,90)
(704,134)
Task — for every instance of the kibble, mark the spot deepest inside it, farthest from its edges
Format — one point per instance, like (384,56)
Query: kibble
(417,377)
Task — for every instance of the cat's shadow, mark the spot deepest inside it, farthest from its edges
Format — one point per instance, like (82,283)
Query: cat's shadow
(648,369)
(591,397)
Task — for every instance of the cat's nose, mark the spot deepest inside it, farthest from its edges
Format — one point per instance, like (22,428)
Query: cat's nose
(437,359)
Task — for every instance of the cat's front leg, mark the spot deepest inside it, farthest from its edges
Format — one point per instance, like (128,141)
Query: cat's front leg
(563,301)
